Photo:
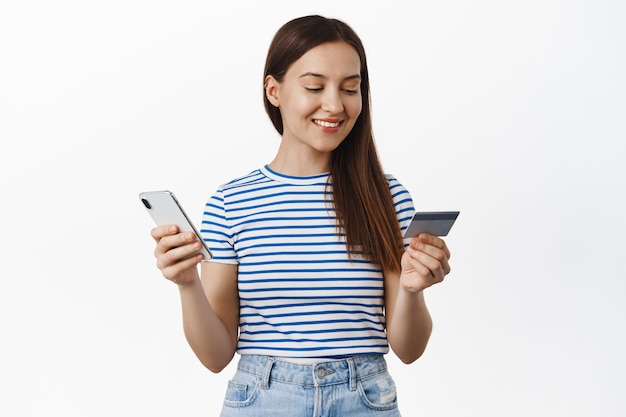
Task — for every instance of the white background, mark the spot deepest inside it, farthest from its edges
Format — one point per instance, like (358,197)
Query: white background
(511,111)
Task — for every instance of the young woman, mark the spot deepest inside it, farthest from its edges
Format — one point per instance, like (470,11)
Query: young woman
(311,282)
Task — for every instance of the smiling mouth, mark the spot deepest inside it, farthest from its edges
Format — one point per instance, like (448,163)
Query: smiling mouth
(326,124)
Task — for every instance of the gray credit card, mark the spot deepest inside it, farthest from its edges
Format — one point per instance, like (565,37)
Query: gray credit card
(436,223)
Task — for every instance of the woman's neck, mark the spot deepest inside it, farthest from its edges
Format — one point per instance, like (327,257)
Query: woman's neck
(300,164)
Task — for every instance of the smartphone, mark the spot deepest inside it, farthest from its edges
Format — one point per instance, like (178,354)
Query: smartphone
(164,209)
(436,223)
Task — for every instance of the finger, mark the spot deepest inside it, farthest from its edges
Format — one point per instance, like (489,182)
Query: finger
(432,246)
(176,254)
(432,240)
(426,265)
(168,242)
(174,272)
(161,231)
(441,244)
(419,267)
(439,251)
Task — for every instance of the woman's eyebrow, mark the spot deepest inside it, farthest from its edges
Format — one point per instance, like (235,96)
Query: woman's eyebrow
(314,74)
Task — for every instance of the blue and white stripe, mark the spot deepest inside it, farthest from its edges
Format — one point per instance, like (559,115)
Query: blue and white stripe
(300,294)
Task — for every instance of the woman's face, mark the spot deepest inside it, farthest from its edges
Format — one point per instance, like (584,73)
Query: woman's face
(319,98)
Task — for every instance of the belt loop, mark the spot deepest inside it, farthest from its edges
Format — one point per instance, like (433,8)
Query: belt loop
(265,383)
(352,371)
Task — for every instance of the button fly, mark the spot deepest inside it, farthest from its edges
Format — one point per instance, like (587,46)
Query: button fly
(323,372)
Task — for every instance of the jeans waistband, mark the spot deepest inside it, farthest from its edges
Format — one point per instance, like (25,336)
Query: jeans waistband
(325,372)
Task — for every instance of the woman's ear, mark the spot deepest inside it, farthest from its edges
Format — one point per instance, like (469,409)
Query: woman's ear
(271,90)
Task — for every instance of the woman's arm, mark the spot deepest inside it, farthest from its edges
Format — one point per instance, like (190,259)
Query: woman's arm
(210,305)
(409,325)
(211,314)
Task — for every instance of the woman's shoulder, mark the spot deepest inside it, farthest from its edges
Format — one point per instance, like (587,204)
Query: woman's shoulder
(399,192)
(393,181)
(251,177)
(235,189)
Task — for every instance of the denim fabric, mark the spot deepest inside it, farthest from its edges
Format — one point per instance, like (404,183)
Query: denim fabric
(264,386)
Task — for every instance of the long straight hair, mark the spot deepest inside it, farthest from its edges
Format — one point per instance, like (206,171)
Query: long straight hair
(360,190)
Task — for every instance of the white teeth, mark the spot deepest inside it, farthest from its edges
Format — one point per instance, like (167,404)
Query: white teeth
(327,124)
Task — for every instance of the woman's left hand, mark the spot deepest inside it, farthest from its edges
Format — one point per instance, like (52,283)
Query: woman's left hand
(424,263)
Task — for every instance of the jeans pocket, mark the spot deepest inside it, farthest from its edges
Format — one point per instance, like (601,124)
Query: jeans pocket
(242,390)
(378,392)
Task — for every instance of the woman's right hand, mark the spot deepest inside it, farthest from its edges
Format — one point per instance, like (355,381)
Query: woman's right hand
(173,250)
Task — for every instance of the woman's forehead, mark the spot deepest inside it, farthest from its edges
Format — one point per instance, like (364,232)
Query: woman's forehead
(330,59)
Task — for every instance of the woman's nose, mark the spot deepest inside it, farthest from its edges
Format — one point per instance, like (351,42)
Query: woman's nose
(332,102)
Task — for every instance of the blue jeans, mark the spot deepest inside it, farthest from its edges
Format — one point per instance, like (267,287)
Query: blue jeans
(264,386)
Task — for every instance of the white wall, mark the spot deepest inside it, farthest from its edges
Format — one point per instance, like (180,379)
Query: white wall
(510,111)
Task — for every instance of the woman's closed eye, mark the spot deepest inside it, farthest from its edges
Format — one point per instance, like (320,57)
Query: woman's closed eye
(320,89)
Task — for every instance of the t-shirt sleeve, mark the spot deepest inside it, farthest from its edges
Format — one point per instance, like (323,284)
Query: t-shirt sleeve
(215,230)
(403,203)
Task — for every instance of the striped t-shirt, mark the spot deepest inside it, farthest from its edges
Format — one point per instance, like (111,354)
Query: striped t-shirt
(300,294)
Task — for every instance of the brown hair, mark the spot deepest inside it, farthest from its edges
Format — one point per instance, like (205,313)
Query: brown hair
(361,196)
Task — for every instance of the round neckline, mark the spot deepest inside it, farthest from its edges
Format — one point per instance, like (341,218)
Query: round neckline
(295,180)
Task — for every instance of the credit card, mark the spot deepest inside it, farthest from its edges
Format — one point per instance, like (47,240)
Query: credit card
(436,223)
